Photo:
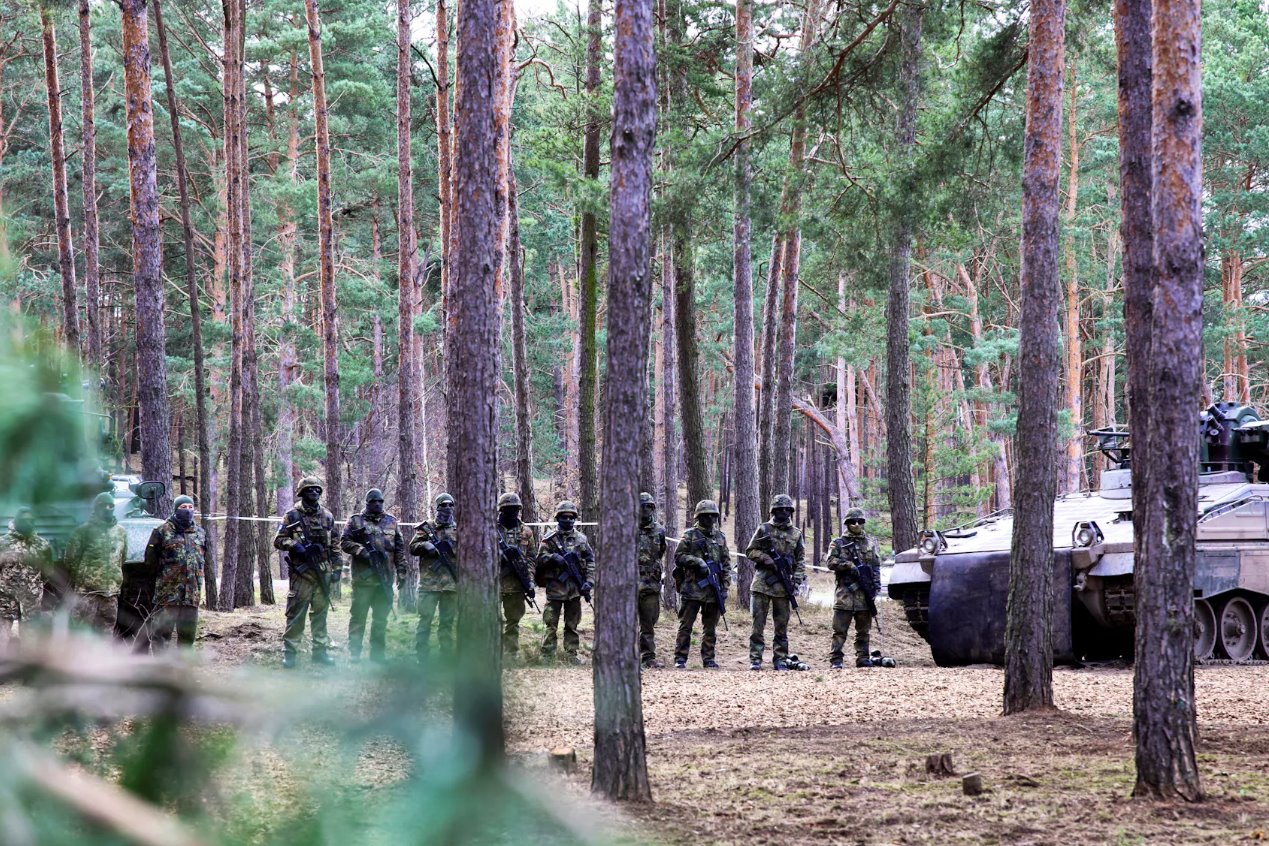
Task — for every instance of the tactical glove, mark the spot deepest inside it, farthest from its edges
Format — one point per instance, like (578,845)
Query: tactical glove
(702,565)
(586,587)
(300,550)
(427,548)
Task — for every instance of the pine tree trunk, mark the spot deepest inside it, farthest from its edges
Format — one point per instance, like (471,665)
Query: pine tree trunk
(670,442)
(474,374)
(147,252)
(766,396)
(1028,628)
(621,771)
(520,351)
(88,159)
(899,485)
(746,456)
(1169,370)
(408,378)
(587,458)
(444,162)
(288,360)
(326,261)
(61,203)
(205,505)
(1074,346)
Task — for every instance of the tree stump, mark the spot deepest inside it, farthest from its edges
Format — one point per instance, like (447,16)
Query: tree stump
(563,758)
(972,784)
(940,765)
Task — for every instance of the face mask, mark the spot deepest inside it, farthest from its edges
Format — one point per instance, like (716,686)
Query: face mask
(106,516)
(647,514)
(183,517)
(509,516)
(566,523)
(708,521)
(445,515)
(374,506)
(782,516)
(24,526)
(310,497)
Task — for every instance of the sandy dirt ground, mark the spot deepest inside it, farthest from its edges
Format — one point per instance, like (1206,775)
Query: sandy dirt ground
(825,756)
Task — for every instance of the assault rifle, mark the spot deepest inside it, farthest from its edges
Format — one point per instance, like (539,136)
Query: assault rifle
(783,572)
(869,582)
(378,561)
(445,556)
(573,566)
(710,580)
(305,557)
(514,559)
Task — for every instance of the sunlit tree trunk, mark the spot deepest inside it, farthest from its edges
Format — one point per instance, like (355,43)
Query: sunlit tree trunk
(408,379)
(587,458)
(61,203)
(88,163)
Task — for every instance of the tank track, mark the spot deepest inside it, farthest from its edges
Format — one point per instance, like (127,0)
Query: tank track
(1121,606)
(916,607)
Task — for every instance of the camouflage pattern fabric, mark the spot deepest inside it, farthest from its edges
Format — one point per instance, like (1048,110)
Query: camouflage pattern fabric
(433,575)
(709,614)
(784,540)
(373,531)
(841,628)
(651,554)
(176,556)
(24,559)
(649,614)
(95,554)
(849,595)
(689,564)
(519,536)
(321,530)
(554,577)
(306,596)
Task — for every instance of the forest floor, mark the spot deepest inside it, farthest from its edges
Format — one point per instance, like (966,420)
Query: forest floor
(824,756)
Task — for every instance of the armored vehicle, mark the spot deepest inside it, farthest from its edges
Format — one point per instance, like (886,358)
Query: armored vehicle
(954,585)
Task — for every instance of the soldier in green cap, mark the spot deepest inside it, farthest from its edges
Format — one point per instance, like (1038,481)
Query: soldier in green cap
(307,536)
(651,554)
(702,552)
(565,585)
(373,540)
(25,558)
(435,542)
(176,554)
(776,539)
(516,547)
(850,603)
(95,554)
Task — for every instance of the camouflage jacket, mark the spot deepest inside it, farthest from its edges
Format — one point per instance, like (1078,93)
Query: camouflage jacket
(176,557)
(24,559)
(787,541)
(554,577)
(433,574)
(519,537)
(363,533)
(849,595)
(651,554)
(689,564)
(95,553)
(321,530)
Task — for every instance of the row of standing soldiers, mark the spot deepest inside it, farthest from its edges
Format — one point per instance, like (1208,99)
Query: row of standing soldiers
(564,565)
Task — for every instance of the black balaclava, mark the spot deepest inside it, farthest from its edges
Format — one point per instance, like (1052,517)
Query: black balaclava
(311,496)
(708,521)
(782,516)
(445,514)
(508,515)
(647,514)
(566,522)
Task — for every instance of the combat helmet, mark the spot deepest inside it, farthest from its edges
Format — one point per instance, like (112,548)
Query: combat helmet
(854,514)
(706,506)
(647,499)
(446,499)
(781,501)
(104,498)
(373,494)
(308,482)
(507,500)
(565,507)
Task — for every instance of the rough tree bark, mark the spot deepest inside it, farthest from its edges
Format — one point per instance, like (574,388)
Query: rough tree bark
(88,160)
(444,160)
(147,252)
(669,396)
(1073,475)
(205,505)
(407,378)
(520,353)
(326,259)
(61,203)
(474,374)
(766,397)
(1165,496)
(746,456)
(621,771)
(899,486)
(589,278)
(1028,627)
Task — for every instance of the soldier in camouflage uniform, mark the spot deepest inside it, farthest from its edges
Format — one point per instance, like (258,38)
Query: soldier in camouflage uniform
(704,542)
(563,594)
(373,540)
(24,559)
(435,543)
(95,554)
(778,536)
(175,553)
(515,541)
(651,554)
(307,534)
(850,602)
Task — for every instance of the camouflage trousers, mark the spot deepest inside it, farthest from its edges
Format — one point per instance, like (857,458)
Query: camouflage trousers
(429,603)
(571,610)
(709,614)
(841,627)
(97,612)
(368,597)
(306,597)
(780,610)
(166,620)
(513,606)
(649,613)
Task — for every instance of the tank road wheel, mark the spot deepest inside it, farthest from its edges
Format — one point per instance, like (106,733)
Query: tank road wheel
(1204,629)
(1264,631)
(1237,630)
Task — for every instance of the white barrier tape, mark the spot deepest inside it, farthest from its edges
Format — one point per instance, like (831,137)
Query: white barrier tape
(220,517)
